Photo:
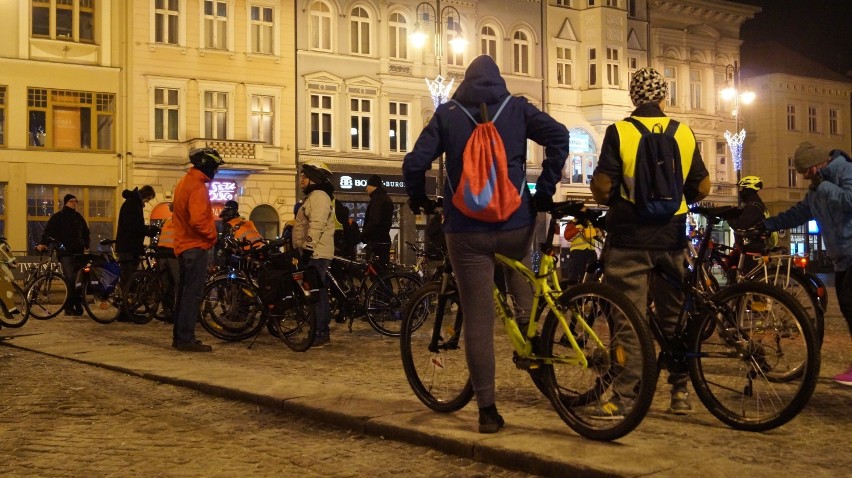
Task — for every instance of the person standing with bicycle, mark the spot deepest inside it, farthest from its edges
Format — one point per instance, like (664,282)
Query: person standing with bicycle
(636,246)
(378,221)
(472,243)
(195,236)
(132,231)
(753,213)
(313,235)
(829,201)
(68,228)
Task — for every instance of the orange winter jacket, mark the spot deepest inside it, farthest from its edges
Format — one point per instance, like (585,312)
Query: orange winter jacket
(167,234)
(195,226)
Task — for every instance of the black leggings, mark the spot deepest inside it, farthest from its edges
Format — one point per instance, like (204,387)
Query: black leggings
(843,287)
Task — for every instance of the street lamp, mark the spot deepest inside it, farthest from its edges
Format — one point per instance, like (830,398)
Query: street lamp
(732,92)
(427,15)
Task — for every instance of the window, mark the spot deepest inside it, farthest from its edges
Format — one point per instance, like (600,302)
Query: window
(721,161)
(791,117)
(488,42)
(454,58)
(631,9)
(69,20)
(591,3)
(166,113)
(564,66)
(695,89)
(262,30)
(397,37)
(611,3)
(361,115)
(520,53)
(563,3)
(262,118)
(833,121)
(593,67)
(215,115)
(166,21)
(398,127)
(321,116)
(359,26)
(612,67)
(215,25)
(813,112)
(670,73)
(2,115)
(792,175)
(320,26)
(64,119)
(95,204)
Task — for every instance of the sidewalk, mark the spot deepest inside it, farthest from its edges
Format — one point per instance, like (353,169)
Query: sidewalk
(358,383)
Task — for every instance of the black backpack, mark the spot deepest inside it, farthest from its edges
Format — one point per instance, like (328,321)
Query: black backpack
(658,176)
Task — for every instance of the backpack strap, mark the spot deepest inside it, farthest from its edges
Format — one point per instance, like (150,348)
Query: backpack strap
(643,130)
(499,110)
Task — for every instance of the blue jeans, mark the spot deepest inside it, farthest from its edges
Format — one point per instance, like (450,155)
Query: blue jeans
(321,309)
(193,274)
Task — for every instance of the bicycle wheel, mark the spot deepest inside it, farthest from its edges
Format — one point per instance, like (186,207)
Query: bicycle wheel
(296,326)
(142,296)
(230,309)
(801,289)
(16,316)
(610,397)
(46,296)
(761,367)
(433,350)
(102,303)
(386,299)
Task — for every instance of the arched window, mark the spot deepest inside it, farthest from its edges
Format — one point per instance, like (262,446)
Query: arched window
(520,53)
(320,27)
(488,42)
(359,31)
(266,220)
(397,37)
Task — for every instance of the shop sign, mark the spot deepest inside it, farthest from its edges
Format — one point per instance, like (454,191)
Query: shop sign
(357,183)
(221,191)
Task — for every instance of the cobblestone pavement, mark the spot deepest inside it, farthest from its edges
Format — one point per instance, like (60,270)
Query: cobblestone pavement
(63,418)
(358,384)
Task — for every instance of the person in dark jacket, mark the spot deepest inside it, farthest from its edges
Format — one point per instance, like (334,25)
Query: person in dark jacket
(132,231)
(68,228)
(472,243)
(636,246)
(377,221)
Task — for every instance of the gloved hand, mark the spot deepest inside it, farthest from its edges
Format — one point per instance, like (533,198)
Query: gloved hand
(815,181)
(542,202)
(421,204)
(307,254)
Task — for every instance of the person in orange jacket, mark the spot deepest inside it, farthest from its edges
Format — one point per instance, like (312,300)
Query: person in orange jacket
(168,263)
(242,229)
(195,236)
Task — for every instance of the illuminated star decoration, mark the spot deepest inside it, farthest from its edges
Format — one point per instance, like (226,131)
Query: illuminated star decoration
(438,90)
(735,143)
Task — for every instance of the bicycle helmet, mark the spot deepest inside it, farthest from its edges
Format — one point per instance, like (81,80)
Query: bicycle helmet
(750,182)
(318,172)
(229,211)
(207,160)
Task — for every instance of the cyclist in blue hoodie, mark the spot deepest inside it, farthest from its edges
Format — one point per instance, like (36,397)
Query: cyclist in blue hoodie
(472,243)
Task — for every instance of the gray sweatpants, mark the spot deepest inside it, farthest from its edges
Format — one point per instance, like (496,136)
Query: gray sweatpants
(472,257)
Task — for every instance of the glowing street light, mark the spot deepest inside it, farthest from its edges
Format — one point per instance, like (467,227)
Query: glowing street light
(732,92)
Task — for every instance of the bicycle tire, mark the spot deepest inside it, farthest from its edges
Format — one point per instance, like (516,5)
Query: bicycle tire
(46,296)
(230,309)
(103,307)
(803,290)
(761,369)
(142,296)
(625,370)
(20,314)
(439,378)
(296,326)
(386,299)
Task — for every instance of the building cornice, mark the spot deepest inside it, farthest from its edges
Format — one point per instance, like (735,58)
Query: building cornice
(707,10)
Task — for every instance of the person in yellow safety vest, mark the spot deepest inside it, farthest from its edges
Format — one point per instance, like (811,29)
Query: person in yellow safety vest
(242,230)
(168,265)
(581,238)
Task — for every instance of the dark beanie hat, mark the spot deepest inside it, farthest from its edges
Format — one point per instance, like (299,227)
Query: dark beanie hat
(67,198)
(375,180)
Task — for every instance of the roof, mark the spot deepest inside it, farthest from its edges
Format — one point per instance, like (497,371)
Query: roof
(769,57)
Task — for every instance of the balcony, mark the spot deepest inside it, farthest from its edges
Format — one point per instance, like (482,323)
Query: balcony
(248,156)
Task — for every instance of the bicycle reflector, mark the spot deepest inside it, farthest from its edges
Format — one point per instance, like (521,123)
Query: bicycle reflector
(801,262)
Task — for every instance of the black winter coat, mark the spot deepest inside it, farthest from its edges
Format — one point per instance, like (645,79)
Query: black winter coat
(378,218)
(132,230)
(68,228)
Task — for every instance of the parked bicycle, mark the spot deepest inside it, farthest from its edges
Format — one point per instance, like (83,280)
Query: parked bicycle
(45,286)
(144,292)
(99,285)
(14,310)
(576,360)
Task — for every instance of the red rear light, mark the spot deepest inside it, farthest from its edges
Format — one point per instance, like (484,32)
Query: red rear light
(800,262)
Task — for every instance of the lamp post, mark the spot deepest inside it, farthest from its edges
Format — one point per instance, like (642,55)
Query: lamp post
(427,15)
(732,92)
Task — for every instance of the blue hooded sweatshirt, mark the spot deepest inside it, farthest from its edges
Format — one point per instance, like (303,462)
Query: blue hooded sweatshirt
(449,129)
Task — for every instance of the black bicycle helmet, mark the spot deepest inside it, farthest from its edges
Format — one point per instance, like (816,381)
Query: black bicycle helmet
(230,211)
(207,160)
(318,172)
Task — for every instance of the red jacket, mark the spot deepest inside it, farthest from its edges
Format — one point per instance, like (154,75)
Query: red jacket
(193,213)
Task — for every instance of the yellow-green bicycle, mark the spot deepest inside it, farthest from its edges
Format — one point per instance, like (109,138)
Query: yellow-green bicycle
(592,340)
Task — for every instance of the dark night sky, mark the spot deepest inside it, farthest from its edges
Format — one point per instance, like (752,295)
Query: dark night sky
(818,29)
